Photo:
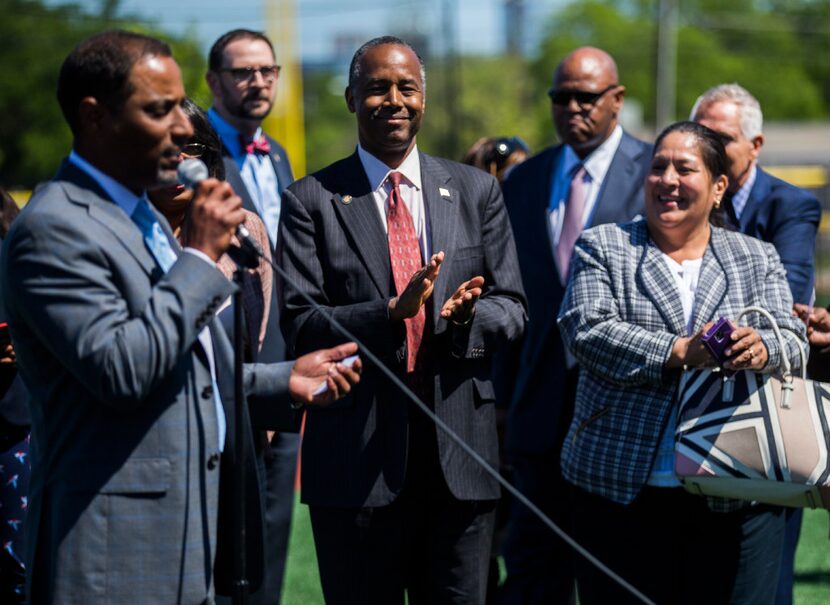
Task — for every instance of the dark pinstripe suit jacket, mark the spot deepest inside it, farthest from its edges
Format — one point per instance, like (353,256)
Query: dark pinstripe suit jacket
(333,244)
(620,318)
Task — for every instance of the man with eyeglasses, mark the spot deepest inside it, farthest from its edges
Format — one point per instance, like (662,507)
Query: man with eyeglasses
(243,74)
(763,206)
(594,176)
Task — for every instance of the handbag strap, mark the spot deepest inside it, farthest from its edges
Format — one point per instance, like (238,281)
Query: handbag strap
(786,367)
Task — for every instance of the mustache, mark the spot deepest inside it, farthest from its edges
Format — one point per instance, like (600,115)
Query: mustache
(256,96)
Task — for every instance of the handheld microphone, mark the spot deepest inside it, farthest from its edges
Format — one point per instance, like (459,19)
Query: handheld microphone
(192,172)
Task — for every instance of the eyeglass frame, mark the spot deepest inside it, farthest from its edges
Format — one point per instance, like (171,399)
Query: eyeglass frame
(592,98)
(202,149)
(244,75)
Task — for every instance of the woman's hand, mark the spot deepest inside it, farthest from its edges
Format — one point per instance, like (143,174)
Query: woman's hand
(747,351)
(689,351)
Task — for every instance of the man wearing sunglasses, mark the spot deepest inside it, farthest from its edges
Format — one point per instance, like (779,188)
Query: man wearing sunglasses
(243,74)
(593,176)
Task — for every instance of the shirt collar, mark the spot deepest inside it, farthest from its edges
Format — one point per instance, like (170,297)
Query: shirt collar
(123,197)
(377,171)
(741,197)
(228,134)
(599,160)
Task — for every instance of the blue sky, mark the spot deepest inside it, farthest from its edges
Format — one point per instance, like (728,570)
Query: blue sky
(322,22)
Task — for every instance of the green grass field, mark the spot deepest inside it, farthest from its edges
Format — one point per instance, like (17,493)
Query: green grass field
(302,582)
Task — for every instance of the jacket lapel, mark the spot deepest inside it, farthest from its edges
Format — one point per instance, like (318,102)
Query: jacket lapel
(82,189)
(234,179)
(713,282)
(619,184)
(442,203)
(659,284)
(355,204)
(758,193)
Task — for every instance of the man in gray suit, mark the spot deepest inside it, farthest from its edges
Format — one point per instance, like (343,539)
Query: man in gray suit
(594,176)
(415,255)
(243,75)
(115,337)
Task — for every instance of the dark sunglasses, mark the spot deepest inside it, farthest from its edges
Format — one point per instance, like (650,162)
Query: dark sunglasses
(583,98)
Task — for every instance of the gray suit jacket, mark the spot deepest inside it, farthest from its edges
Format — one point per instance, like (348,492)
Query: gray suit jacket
(620,318)
(125,472)
(332,242)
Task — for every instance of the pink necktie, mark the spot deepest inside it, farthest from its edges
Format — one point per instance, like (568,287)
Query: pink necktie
(405,257)
(572,223)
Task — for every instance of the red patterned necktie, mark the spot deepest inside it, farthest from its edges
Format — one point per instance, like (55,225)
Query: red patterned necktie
(258,145)
(405,257)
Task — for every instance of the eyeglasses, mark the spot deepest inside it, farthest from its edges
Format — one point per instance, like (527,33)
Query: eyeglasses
(583,98)
(193,150)
(269,73)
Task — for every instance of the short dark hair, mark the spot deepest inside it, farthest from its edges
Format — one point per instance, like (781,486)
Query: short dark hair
(218,49)
(204,134)
(100,67)
(712,151)
(354,66)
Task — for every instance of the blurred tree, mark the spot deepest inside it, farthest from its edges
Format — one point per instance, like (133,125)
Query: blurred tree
(35,40)
(776,49)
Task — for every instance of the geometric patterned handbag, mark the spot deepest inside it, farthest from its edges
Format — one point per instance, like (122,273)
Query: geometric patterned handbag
(753,436)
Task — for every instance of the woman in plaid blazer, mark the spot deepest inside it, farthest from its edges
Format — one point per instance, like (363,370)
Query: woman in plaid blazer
(640,297)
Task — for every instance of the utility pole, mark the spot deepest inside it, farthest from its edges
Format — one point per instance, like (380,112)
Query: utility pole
(452,78)
(666,89)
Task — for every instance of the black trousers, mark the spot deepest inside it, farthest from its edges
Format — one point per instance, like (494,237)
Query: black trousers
(539,564)
(673,548)
(426,543)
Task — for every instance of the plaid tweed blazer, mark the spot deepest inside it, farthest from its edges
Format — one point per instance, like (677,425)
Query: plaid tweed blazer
(620,317)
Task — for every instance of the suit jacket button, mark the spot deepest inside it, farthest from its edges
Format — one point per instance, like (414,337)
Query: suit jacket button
(207,392)
(213,461)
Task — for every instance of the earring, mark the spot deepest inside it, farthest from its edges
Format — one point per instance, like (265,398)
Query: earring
(717,203)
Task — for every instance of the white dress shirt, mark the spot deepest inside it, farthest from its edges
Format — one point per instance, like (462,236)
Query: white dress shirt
(686,275)
(411,192)
(596,165)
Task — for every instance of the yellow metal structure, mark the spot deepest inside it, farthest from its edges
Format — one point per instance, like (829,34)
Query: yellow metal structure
(286,121)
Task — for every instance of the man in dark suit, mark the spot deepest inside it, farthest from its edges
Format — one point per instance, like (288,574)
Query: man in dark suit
(758,204)
(415,255)
(132,395)
(243,74)
(594,176)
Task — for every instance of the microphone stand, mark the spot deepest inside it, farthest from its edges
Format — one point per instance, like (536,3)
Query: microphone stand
(244,258)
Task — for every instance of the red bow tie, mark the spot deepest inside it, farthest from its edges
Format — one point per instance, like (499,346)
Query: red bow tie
(259,145)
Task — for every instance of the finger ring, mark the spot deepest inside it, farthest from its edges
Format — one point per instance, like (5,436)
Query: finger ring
(751,354)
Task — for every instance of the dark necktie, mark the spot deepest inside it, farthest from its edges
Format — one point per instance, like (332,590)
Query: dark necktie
(257,145)
(405,258)
(729,212)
